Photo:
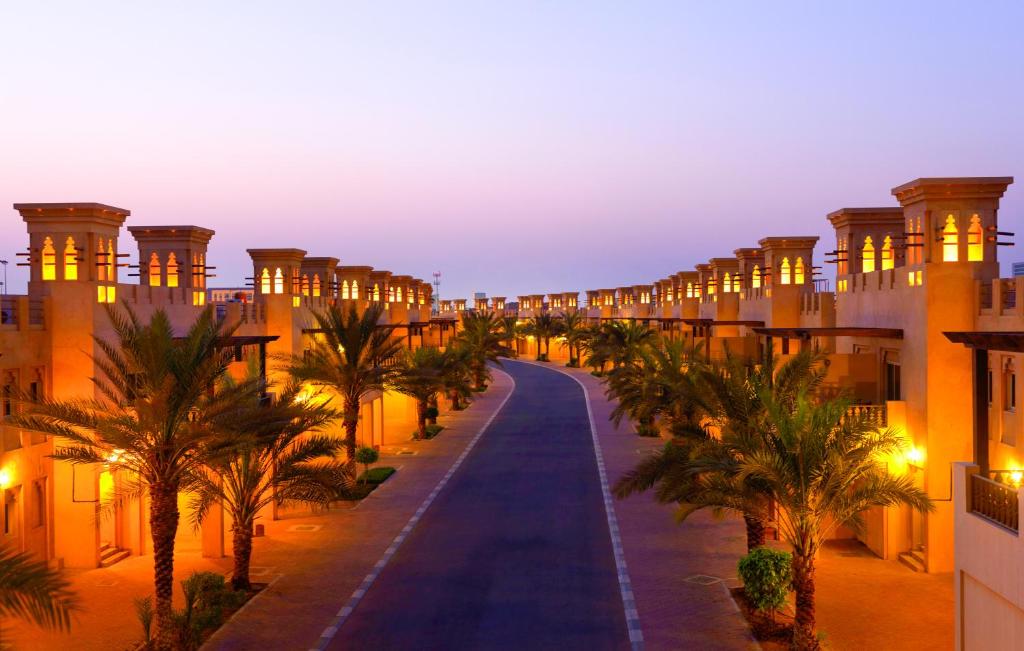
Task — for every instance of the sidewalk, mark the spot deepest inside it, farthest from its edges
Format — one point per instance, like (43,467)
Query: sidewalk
(314,561)
(677,570)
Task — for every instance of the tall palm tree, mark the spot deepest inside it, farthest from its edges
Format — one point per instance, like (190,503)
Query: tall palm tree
(352,357)
(619,343)
(32,591)
(420,375)
(542,327)
(510,333)
(269,454)
(457,374)
(155,419)
(574,328)
(823,468)
(482,337)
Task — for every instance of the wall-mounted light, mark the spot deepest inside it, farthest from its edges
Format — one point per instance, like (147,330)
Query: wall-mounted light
(915,456)
(5,478)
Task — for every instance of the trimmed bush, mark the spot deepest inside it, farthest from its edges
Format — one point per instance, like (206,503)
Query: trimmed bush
(767,575)
(432,431)
(377,475)
(651,431)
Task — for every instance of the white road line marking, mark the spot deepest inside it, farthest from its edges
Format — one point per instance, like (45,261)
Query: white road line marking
(332,630)
(636,636)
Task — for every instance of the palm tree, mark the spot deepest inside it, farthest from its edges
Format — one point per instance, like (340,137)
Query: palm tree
(619,343)
(31,591)
(543,327)
(823,467)
(269,454)
(574,328)
(510,333)
(420,375)
(352,357)
(482,337)
(155,420)
(457,374)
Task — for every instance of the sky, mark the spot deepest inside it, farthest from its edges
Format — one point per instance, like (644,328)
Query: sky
(514,147)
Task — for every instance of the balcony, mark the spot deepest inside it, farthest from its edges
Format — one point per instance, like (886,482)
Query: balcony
(995,501)
(877,415)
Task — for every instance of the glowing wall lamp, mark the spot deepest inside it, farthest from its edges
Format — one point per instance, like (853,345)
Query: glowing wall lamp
(5,478)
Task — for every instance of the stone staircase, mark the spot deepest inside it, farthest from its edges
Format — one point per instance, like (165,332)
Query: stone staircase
(109,555)
(914,559)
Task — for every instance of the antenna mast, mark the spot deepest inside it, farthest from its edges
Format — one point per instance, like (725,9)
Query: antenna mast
(437,291)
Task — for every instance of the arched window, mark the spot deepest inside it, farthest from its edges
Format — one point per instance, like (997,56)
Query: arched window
(101,259)
(689,290)
(398,294)
(376,293)
(344,289)
(201,280)
(355,289)
(195,270)
(736,284)
(410,297)
(950,241)
(296,283)
(755,277)
(316,284)
(975,241)
(888,257)
(265,281)
(785,272)
(49,259)
(798,272)
(154,269)
(110,261)
(727,283)
(70,260)
(278,281)
(867,257)
(391,294)
(305,284)
(172,270)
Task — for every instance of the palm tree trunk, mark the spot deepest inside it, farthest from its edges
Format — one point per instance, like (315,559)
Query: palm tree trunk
(241,542)
(755,532)
(163,522)
(350,424)
(421,419)
(804,634)
(432,402)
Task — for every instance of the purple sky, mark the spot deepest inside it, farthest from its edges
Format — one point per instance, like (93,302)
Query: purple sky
(517,148)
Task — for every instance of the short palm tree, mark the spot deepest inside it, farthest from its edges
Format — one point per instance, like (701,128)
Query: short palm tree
(823,468)
(31,591)
(270,454)
(420,375)
(542,327)
(156,417)
(350,356)
(457,374)
(510,333)
(574,328)
(481,336)
(619,343)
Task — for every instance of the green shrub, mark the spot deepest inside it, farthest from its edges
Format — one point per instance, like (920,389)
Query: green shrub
(431,413)
(377,475)
(648,430)
(543,357)
(767,575)
(144,611)
(207,598)
(573,363)
(434,430)
(367,455)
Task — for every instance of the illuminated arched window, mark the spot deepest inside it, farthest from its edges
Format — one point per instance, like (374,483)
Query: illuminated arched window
(398,294)
(172,270)
(101,257)
(799,272)
(689,290)
(391,294)
(736,284)
(110,261)
(265,281)
(355,289)
(755,277)
(785,272)
(727,283)
(49,259)
(975,246)
(278,281)
(154,269)
(950,241)
(410,297)
(316,284)
(422,297)
(296,282)
(867,258)
(195,270)
(376,293)
(70,260)
(305,284)
(888,257)
(344,289)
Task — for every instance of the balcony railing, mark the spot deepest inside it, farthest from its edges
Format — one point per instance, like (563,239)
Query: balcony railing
(877,415)
(995,501)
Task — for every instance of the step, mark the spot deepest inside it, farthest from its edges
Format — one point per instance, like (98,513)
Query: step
(912,561)
(118,556)
(919,555)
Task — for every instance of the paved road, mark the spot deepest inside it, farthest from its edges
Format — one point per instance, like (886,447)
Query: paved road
(515,552)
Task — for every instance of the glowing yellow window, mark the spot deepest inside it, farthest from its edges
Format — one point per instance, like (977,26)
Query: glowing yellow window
(868,256)
(172,270)
(888,257)
(755,277)
(154,270)
(265,281)
(110,259)
(785,272)
(49,260)
(296,301)
(70,260)
(355,289)
(376,293)
(398,294)
(950,241)
(278,281)
(344,289)
(727,284)
(798,272)
(111,294)
(101,257)
(305,284)
(975,241)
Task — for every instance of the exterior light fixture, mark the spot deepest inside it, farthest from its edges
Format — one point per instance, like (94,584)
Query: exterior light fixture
(1016,476)
(915,456)
(5,478)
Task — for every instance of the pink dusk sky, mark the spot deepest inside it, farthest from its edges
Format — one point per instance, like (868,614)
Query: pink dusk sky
(515,147)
